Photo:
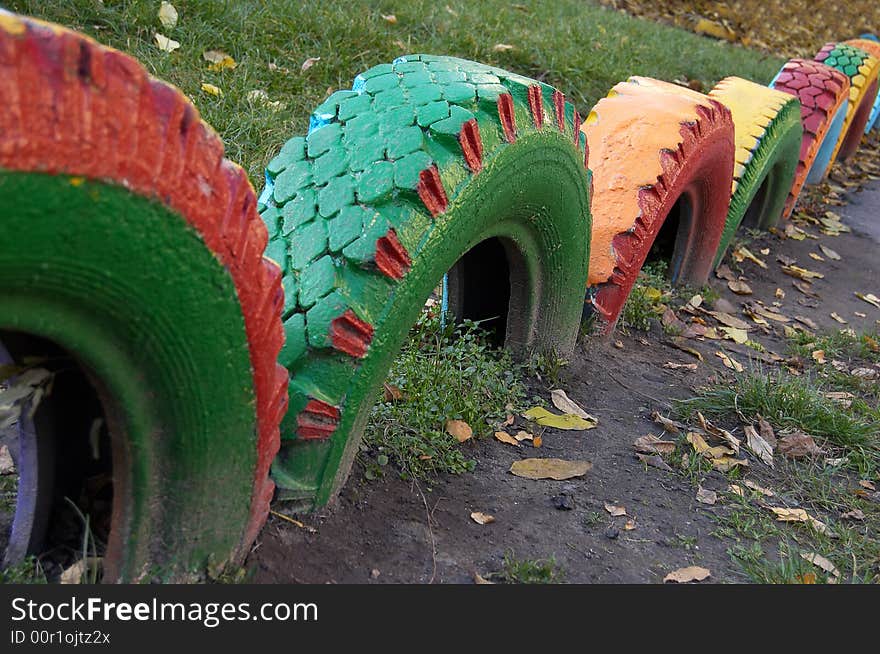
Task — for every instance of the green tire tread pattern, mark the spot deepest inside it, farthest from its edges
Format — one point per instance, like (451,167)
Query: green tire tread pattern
(768,137)
(368,211)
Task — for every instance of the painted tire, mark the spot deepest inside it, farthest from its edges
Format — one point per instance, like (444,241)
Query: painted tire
(823,92)
(862,69)
(651,145)
(768,142)
(870,45)
(138,250)
(427,159)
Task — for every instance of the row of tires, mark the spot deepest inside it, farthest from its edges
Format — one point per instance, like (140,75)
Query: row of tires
(217,335)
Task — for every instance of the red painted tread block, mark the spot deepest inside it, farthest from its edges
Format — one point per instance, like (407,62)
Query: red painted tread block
(317,421)
(391,257)
(431,191)
(506,114)
(350,334)
(536,105)
(471,145)
(72,106)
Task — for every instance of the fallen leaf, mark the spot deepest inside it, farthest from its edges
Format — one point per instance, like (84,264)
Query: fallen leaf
(865,483)
(459,429)
(655,461)
(218,60)
(537,441)
(816,257)
(629,525)
(168,15)
(730,321)
(809,322)
(672,426)
(7,465)
(650,444)
(742,252)
(735,335)
(261,97)
(164,43)
(736,490)
(828,252)
(806,578)
(615,510)
(504,437)
(821,562)
(685,575)
(758,445)
(502,47)
(565,404)
(74,574)
(779,294)
(718,432)
(739,287)
(308,63)
(805,288)
(728,463)
(523,436)
(706,496)
(818,356)
(838,318)
(801,273)
(550,468)
(855,514)
(389,18)
(870,298)
(798,515)
(677,366)
(766,492)
(724,272)
(717,30)
(482,518)
(545,418)
(729,361)
(391,393)
(678,343)
(766,431)
(480,580)
(798,445)
(210,89)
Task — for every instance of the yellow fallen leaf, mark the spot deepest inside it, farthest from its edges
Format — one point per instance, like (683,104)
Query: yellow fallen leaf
(728,463)
(565,404)
(537,441)
(736,490)
(838,318)
(729,361)
(704,496)
(480,580)
(742,252)
(766,492)
(629,525)
(218,60)
(502,47)
(711,28)
(164,43)
(504,437)
(735,335)
(685,575)
(801,273)
(870,298)
(821,562)
(698,442)
(558,469)
(168,15)
(545,418)
(739,287)
(210,89)
(760,447)
(459,429)
(798,515)
(828,252)
(523,436)
(482,518)
(650,444)
(615,510)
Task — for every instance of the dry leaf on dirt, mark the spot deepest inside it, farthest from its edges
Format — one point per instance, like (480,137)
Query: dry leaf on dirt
(629,525)
(801,273)
(481,580)
(545,418)
(828,252)
(565,404)
(718,432)
(729,362)
(680,366)
(838,318)
(650,444)
(685,575)
(558,469)
(615,510)
(821,562)
(855,514)
(741,253)
(523,436)
(482,518)
(798,445)
(706,496)
(866,483)
(870,298)
(308,63)
(805,288)
(672,426)
(459,429)
(7,465)
(730,321)
(798,515)
(504,437)
(818,356)
(679,344)
(736,335)
(168,15)
(761,448)
(739,287)
(164,43)
(654,460)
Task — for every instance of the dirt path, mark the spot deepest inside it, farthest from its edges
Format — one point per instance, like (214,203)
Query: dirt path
(378,531)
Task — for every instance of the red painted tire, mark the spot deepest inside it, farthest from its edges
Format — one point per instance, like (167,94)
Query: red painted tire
(821,91)
(657,151)
(71,109)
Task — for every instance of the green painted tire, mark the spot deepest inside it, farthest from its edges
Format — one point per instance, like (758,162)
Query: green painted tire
(429,161)
(768,131)
(133,251)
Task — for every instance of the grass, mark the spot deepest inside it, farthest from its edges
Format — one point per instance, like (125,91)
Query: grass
(443,373)
(529,571)
(651,289)
(579,47)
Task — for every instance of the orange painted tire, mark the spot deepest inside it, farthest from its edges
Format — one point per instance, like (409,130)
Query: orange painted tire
(822,90)
(72,109)
(657,151)
(862,69)
(872,47)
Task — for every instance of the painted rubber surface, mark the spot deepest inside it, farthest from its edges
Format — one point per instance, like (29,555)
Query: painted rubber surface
(398,179)
(149,252)
(768,142)
(823,94)
(871,45)
(652,143)
(862,69)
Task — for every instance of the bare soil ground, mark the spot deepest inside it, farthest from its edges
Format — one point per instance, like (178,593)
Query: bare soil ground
(394,531)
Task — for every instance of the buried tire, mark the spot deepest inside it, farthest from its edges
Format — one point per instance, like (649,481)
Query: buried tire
(823,94)
(862,70)
(429,164)
(662,160)
(872,47)
(136,256)
(768,141)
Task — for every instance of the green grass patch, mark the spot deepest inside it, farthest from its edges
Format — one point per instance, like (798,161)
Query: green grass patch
(577,46)
(529,571)
(652,289)
(841,344)
(443,373)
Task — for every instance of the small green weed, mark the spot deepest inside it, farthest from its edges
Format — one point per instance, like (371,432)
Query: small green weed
(530,571)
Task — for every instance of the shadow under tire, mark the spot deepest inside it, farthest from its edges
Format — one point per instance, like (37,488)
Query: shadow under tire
(138,251)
